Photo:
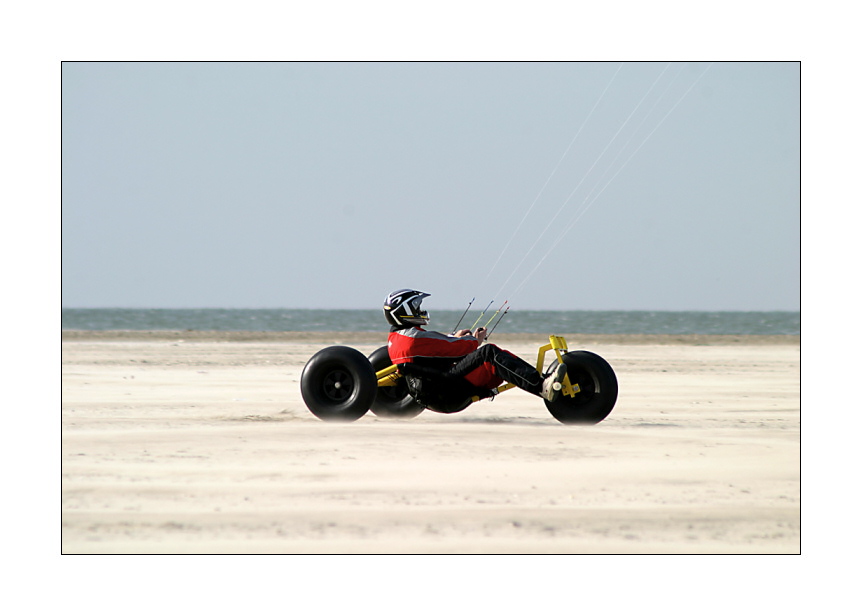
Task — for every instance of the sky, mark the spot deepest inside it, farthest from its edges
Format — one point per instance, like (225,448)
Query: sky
(554,185)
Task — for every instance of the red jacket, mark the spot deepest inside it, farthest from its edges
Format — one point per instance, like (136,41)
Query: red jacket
(406,345)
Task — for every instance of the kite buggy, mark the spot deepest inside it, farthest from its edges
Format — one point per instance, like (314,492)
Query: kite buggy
(420,369)
(339,383)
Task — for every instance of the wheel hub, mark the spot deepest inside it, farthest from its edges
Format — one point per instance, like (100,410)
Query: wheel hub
(338,385)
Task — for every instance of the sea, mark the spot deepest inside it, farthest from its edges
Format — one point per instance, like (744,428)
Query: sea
(520,321)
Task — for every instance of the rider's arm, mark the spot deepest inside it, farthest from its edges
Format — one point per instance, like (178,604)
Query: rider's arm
(406,344)
(481,332)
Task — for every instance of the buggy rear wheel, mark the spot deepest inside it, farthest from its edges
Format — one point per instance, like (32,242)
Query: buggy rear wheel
(338,384)
(392,400)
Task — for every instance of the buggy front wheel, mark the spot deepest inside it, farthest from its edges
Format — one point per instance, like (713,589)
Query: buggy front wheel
(598,393)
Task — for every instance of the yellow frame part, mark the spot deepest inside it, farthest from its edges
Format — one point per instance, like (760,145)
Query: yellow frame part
(390,375)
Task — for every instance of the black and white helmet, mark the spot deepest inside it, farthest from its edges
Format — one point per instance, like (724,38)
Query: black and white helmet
(404,308)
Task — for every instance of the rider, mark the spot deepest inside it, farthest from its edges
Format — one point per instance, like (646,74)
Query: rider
(444,372)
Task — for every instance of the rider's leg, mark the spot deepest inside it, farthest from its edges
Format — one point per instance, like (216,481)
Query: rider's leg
(489,366)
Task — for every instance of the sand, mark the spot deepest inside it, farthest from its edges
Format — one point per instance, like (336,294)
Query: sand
(197,442)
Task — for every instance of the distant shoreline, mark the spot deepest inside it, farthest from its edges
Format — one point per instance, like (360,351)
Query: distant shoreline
(73,335)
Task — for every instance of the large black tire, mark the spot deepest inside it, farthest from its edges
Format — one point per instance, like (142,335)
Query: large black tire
(598,390)
(394,400)
(338,384)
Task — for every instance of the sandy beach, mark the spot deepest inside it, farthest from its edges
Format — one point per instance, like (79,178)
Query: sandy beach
(197,442)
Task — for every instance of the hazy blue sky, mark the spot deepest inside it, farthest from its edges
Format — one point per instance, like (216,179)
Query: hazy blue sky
(329,184)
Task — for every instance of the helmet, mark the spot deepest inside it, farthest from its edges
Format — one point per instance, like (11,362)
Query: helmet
(404,307)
